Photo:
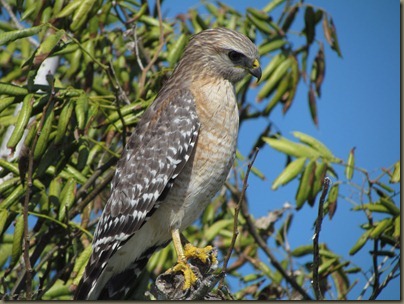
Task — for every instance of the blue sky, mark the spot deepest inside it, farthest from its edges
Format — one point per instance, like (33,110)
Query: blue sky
(359,107)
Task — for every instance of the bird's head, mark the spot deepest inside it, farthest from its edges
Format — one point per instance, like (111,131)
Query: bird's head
(224,53)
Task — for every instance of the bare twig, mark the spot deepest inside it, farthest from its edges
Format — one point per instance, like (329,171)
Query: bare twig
(27,262)
(139,61)
(120,96)
(383,285)
(376,274)
(316,251)
(236,212)
(390,276)
(142,80)
(274,262)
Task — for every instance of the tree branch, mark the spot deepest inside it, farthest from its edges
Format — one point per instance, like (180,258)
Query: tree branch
(236,213)
(262,244)
(316,251)
(27,262)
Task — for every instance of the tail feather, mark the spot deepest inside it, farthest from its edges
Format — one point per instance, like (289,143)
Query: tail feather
(119,285)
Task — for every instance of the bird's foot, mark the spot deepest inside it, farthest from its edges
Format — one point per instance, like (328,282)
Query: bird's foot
(205,255)
(189,276)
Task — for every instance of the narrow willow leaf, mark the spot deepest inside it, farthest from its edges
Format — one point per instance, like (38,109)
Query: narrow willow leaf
(310,24)
(291,148)
(3,219)
(22,121)
(332,200)
(395,177)
(17,240)
(272,5)
(380,228)
(289,173)
(218,226)
(313,106)
(81,13)
(46,47)
(349,169)
(389,204)
(7,37)
(397,227)
(316,144)
(306,184)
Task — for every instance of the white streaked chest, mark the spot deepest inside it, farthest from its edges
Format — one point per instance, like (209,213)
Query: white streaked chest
(209,165)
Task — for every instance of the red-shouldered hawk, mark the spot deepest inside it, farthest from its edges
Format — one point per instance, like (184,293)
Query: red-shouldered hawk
(175,161)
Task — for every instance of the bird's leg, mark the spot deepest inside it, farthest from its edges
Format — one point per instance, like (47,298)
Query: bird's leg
(175,233)
(189,252)
(182,265)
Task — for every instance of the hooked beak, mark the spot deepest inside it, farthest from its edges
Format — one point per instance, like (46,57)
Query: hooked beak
(256,70)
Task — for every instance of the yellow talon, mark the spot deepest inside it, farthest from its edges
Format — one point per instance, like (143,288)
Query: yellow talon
(190,252)
(189,276)
(203,254)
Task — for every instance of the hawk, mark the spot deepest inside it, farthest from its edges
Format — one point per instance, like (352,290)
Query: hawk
(175,161)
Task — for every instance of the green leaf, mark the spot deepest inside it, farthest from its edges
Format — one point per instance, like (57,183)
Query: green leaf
(7,37)
(289,173)
(349,169)
(395,177)
(380,228)
(218,226)
(291,148)
(315,144)
(17,240)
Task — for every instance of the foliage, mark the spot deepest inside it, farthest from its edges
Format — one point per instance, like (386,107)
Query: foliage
(66,134)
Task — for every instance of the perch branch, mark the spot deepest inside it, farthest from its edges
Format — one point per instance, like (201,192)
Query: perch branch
(236,213)
(316,251)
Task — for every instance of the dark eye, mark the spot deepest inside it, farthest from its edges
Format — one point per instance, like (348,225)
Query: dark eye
(235,56)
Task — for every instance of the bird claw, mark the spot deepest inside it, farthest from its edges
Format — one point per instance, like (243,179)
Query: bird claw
(204,255)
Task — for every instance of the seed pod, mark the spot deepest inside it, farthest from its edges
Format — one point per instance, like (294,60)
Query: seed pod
(80,13)
(275,77)
(395,177)
(64,119)
(313,105)
(175,51)
(17,240)
(319,175)
(6,102)
(380,228)
(332,200)
(289,173)
(291,148)
(46,47)
(42,142)
(281,90)
(360,243)
(316,144)
(306,184)
(349,169)
(81,109)
(259,20)
(67,198)
(13,197)
(272,66)
(309,21)
(389,204)
(22,121)
(397,227)
(290,18)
